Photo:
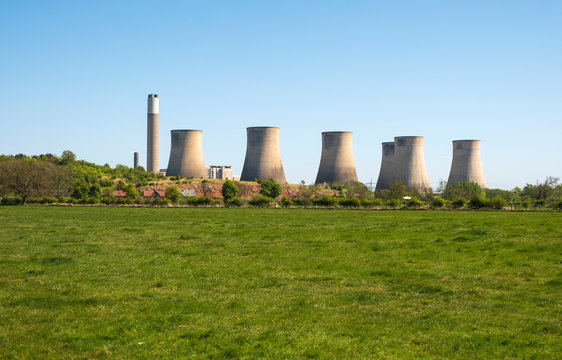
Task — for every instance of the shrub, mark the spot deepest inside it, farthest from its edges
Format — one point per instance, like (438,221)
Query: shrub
(557,205)
(229,190)
(200,200)
(173,193)
(478,202)
(414,202)
(326,201)
(437,202)
(394,203)
(285,202)
(260,201)
(350,202)
(304,202)
(459,202)
(526,203)
(498,203)
(63,199)
(270,188)
(235,201)
(48,200)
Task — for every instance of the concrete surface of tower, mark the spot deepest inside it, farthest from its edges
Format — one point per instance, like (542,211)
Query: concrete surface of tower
(387,173)
(186,154)
(135,160)
(467,164)
(152,134)
(263,155)
(336,162)
(409,163)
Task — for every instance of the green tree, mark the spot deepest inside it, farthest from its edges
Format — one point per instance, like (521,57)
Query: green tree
(270,188)
(81,189)
(131,191)
(173,193)
(229,191)
(95,191)
(397,190)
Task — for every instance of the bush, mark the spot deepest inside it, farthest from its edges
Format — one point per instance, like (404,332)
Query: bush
(48,200)
(478,202)
(235,201)
(229,191)
(285,202)
(200,200)
(437,202)
(304,202)
(371,203)
(414,202)
(270,188)
(173,193)
(63,199)
(326,201)
(459,202)
(498,203)
(260,201)
(350,202)
(526,203)
(557,205)
(394,203)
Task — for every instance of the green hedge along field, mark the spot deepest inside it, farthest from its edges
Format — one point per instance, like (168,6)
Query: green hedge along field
(278,283)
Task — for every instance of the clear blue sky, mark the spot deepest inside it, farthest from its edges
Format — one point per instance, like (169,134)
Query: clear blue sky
(76,74)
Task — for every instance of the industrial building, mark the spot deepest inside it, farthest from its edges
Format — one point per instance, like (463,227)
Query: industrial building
(336,161)
(263,155)
(466,165)
(152,133)
(186,154)
(222,172)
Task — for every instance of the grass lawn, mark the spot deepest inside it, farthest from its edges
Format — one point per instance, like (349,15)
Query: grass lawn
(115,282)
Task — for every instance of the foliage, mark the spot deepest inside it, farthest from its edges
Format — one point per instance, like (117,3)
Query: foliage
(173,193)
(260,201)
(498,203)
(229,190)
(397,190)
(459,202)
(414,202)
(463,189)
(437,202)
(326,201)
(357,189)
(285,202)
(270,188)
(350,202)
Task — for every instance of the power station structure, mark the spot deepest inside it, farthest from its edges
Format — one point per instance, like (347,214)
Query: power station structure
(135,160)
(466,165)
(263,155)
(152,134)
(336,161)
(409,163)
(387,172)
(186,154)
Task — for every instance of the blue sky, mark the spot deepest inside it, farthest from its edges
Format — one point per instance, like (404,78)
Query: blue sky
(76,74)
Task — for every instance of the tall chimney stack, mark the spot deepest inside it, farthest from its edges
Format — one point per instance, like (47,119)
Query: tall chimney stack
(152,134)
(135,160)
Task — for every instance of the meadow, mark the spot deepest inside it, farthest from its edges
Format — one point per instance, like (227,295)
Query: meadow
(224,283)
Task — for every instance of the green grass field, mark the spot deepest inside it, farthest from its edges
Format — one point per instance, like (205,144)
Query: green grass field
(113,282)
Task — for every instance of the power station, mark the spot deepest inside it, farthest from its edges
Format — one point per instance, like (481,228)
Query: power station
(186,154)
(409,163)
(152,134)
(402,160)
(466,165)
(387,173)
(263,155)
(336,161)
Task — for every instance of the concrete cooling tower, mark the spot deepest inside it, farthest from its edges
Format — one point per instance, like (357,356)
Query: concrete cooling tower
(466,165)
(136,160)
(387,173)
(152,134)
(263,155)
(409,163)
(336,162)
(186,154)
